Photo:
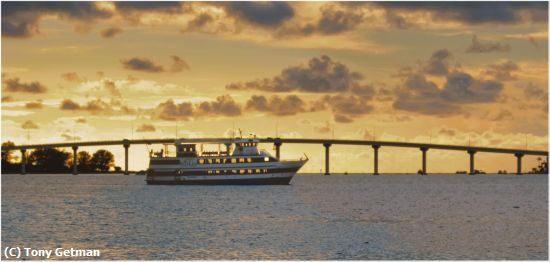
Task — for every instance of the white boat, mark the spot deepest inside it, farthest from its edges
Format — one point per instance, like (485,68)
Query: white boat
(246,165)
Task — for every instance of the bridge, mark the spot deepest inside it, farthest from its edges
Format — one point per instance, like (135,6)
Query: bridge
(278,142)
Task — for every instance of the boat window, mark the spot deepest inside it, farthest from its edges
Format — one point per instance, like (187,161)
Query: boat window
(265,170)
(217,171)
(249,160)
(233,160)
(241,160)
(242,171)
(250,171)
(201,161)
(218,161)
(224,160)
(234,171)
(209,171)
(266,159)
(258,171)
(209,161)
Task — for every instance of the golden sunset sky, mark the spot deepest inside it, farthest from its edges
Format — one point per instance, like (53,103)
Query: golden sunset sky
(442,72)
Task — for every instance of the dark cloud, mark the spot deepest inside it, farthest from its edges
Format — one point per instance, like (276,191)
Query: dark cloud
(72,77)
(418,94)
(200,21)
(289,105)
(110,32)
(13,85)
(438,64)
(33,105)
(347,107)
(475,12)
(142,64)
(479,47)
(68,104)
(320,75)
(335,18)
(178,64)
(222,106)
(133,7)
(264,14)
(29,125)
(21,19)
(146,128)
(397,21)
(503,70)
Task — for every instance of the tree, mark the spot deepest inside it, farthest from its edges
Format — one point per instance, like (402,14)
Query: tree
(49,160)
(7,159)
(84,161)
(102,160)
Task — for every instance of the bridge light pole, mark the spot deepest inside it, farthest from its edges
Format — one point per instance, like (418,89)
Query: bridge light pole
(424,150)
(519,156)
(278,144)
(375,147)
(75,149)
(23,161)
(472,153)
(327,157)
(126,146)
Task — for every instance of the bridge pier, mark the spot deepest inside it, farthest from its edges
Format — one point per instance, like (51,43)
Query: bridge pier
(327,157)
(278,149)
(472,153)
(424,150)
(375,147)
(75,149)
(519,156)
(126,146)
(23,161)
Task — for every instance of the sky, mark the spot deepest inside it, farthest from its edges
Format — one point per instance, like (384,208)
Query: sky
(461,73)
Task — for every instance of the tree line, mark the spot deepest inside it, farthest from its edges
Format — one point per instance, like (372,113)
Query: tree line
(52,160)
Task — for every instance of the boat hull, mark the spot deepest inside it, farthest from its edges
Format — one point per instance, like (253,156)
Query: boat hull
(221,181)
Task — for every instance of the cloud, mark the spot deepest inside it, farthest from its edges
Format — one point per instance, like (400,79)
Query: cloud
(72,77)
(81,120)
(503,70)
(68,104)
(29,125)
(146,65)
(222,106)
(474,13)
(70,138)
(199,22)
(418,94)
(479,47)
(289,105)
(110,86)
(346,107)
(110,32)
(178,64)
(21,19)
(133,7)
(13,85)
(141,64)
(7,98)
(335,18)
(503,115)
(263,14)
(146,128)
(33,105)
(438,64)
(323,129)
(319,76)
(447,131)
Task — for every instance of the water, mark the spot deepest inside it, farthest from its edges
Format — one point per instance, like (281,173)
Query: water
(317,217)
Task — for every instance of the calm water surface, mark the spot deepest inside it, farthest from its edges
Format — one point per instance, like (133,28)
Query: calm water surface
(317,217)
